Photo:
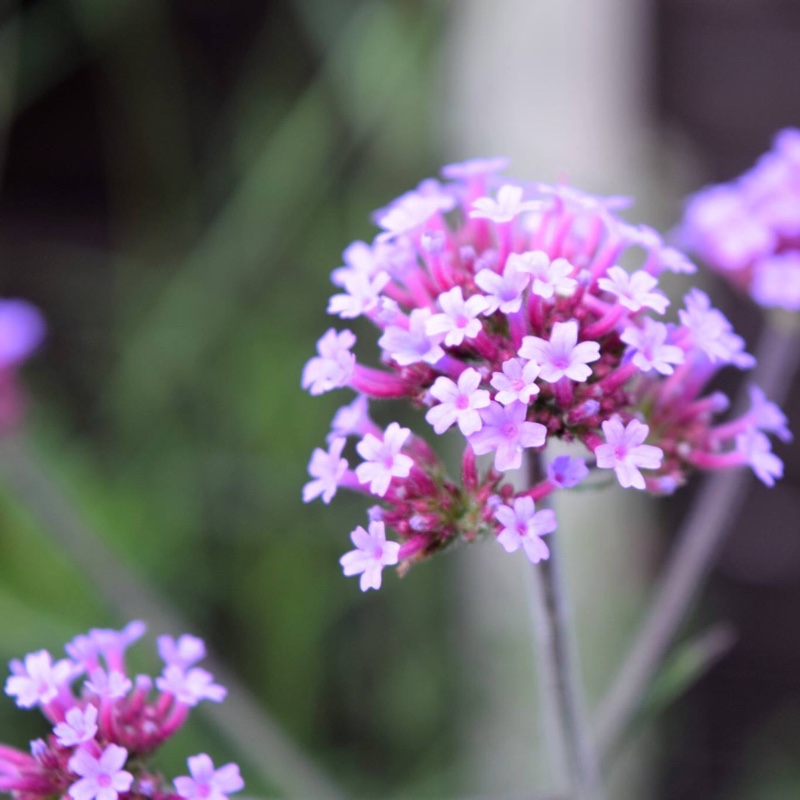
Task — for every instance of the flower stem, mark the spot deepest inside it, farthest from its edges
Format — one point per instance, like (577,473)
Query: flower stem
(567,729)
(698,542)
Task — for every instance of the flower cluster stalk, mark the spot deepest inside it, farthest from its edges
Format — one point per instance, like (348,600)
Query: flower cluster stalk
(696,546)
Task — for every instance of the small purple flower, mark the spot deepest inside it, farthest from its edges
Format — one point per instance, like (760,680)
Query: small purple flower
(508,205)
(371,555)
(101,778)
(624,451)
(458,403)
(516,382)
(206,782)
(458,320)
(549,277)
(335,364)
(506,431)
(720,227)
(184,652)
(562,356)
(383,459)
(351,420)
(712,332)
(766,416)
(504,292)
(523,526)
(412,345)
(361,296)
(635,291)
(109,685)
(190,686)
(38,680)
(327,470)
(756,449)
(80,725)
(567,471)
(22,330)
(649,346)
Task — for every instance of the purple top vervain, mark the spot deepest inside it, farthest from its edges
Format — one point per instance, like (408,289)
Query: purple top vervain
(502,312)
(106,724)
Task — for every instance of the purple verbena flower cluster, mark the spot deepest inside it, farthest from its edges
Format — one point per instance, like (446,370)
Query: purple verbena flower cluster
(749,229)
(103,733)
(502,311)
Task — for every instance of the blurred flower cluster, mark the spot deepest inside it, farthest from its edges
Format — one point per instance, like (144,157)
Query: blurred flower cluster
(503,311)
(749,229)
(22,330)
(103,734)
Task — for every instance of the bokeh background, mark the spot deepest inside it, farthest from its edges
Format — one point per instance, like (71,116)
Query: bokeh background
(178,179)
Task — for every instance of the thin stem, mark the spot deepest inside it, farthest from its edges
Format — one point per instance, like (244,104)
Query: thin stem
(249,728)
(559,671)
(698,542)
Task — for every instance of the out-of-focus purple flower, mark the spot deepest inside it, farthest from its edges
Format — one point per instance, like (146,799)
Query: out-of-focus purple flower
(38,679)
(80,725)
(749,229)
(327,469)
(335,364)
(208,783)
(756,450)
(183,652)
(22,330)
(190,686)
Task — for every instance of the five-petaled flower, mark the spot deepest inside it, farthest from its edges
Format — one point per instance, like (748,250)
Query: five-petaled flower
(625,451)
(207,783)
(371,555)
(383,459)
(523,526)
(458,403)
(561,356)
(101,778)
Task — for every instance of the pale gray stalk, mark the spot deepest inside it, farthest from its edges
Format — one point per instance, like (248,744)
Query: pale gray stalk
(698,542)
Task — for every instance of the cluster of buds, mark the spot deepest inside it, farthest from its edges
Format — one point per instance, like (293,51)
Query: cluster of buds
(749,229)
(503,311)
(21,332)
(103,734)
